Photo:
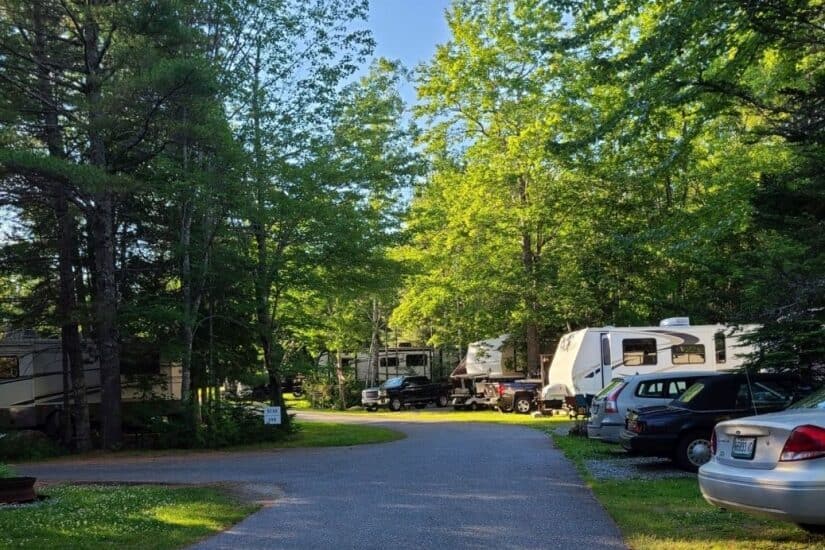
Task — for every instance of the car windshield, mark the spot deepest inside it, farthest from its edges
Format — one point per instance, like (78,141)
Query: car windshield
(608,388)
(393,382)
(689,394)
(814,401)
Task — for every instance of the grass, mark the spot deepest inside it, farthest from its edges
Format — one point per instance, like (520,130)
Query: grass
(670,514)
(329,434)
(146,517)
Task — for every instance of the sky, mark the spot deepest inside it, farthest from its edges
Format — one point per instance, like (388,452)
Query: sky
(408,30)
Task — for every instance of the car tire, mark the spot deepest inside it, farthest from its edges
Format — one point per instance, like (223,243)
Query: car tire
(442,401)
(474,407)
(522,405)
(395,404)
(813,528)
(692,451)
(372,408)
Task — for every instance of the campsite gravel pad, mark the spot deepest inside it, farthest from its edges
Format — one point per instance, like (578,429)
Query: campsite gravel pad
(639,467)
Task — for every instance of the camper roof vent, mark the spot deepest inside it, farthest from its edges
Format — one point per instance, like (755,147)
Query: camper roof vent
(675,322)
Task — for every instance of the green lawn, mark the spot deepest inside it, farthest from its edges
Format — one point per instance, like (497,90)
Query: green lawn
(670,514)
(329,434)
(145,517)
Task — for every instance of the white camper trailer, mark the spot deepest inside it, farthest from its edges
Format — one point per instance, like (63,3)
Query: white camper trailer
(587,359)
(32,378)
(397,361)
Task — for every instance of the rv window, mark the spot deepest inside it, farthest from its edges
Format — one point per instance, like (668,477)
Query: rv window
(416,360)
(639,351)
(688,354)
(9,367)
(388,362)
(719,341)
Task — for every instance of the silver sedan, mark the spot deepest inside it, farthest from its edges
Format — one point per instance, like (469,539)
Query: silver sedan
(771,465)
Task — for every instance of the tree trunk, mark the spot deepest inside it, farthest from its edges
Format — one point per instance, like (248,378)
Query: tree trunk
(101,223)
(375,345)
(342,380)
(66,238)
(189,312)
(263,281)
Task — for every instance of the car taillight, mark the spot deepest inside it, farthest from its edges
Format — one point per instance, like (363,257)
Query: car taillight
(500,390)
(713,443)
(610,401)
(806,442)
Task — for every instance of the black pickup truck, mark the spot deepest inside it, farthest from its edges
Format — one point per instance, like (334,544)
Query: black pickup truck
(418,391)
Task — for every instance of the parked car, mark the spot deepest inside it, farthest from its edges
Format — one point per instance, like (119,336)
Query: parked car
(609,408)
(520,396)
(418,391)
(681,430)
(772,465)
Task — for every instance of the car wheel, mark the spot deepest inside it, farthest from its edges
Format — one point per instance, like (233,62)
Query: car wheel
(813,528)
(395,404)
(442,401)
(474,407)
(692,451)
(523,405)
(504,409)
(372,408)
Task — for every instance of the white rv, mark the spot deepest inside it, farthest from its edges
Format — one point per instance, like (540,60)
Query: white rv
(31,380)
(587,359)
(397,361)
(493,356)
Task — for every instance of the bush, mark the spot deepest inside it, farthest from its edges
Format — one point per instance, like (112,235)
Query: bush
(223,423)
(6,471)
(28,445)
(323,394)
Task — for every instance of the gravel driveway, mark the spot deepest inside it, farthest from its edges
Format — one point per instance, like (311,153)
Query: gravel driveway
(445,486)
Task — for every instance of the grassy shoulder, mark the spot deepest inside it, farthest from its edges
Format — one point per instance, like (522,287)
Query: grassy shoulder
(148,517)
(670,514)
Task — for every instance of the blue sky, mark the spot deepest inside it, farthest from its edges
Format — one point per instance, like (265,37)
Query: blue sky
(408,30)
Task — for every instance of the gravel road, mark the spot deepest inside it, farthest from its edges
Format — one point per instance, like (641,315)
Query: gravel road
(445,486)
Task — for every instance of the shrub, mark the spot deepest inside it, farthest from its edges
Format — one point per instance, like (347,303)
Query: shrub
(28,445)
(6,470)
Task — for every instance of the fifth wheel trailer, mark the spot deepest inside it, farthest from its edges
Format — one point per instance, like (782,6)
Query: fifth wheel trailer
(587,359)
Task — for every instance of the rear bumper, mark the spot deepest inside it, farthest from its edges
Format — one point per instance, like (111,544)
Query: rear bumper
(605,431)
(779,493)
(663,445)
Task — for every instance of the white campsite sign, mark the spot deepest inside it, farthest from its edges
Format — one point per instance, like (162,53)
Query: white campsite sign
(272,415)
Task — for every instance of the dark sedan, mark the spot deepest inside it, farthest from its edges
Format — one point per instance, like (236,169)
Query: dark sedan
(681,430)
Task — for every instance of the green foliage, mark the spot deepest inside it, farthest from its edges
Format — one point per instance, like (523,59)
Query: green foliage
(6,470)
(27,445)
(323,393)
(222,424)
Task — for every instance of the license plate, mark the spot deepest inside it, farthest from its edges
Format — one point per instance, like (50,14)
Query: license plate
(743,447)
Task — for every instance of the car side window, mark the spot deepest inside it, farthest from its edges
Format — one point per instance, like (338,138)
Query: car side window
(675,388)
(650,389)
